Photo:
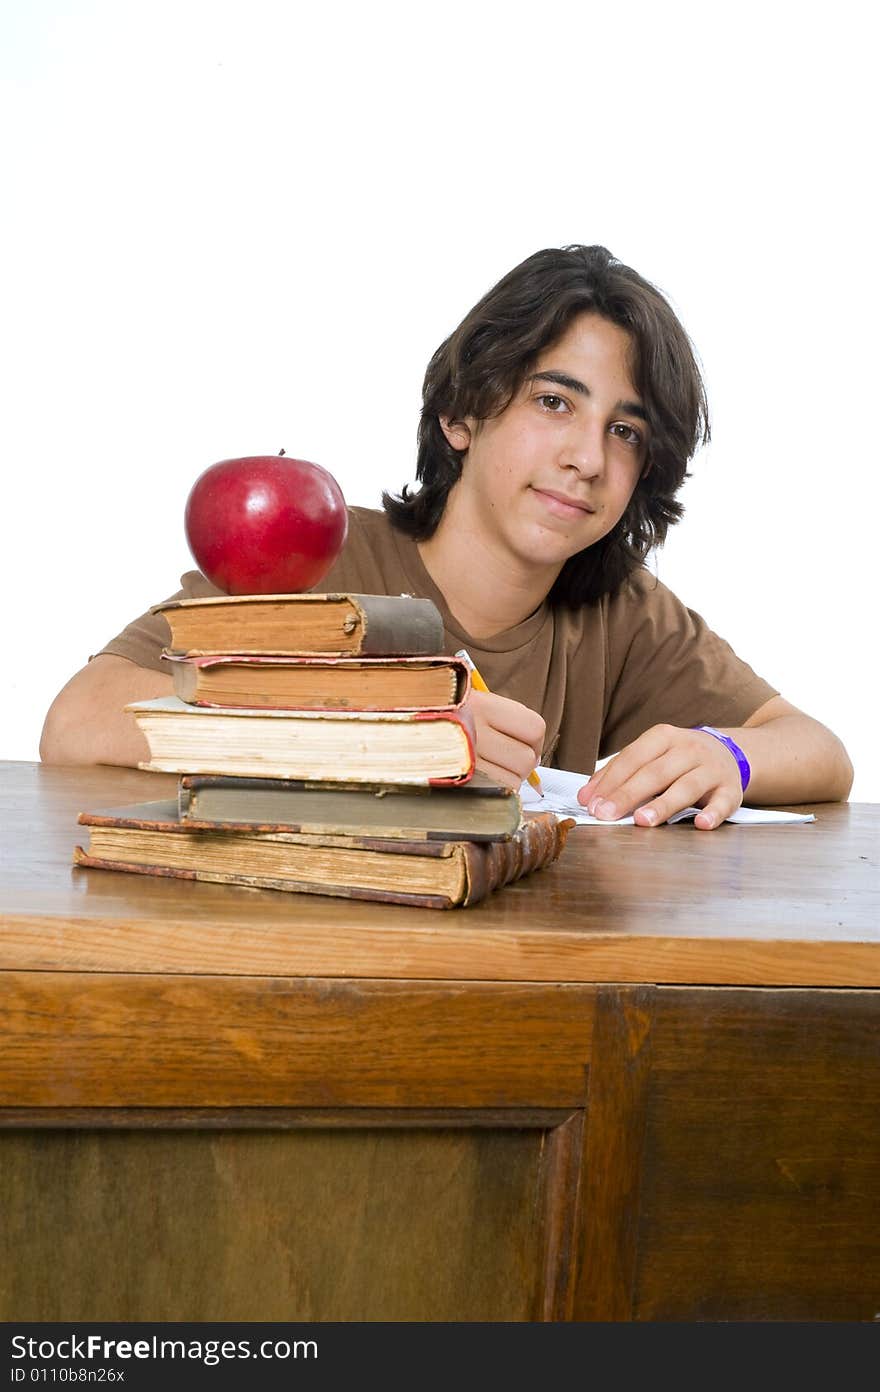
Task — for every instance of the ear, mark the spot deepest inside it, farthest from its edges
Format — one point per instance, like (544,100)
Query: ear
(457,432)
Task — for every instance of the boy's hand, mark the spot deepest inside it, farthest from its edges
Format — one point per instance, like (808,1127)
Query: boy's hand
(663,771)
(509,737)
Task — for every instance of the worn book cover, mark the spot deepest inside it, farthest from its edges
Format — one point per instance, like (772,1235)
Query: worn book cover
(259,680)
(479,810)
(340,624)
(330,746)
(149,839)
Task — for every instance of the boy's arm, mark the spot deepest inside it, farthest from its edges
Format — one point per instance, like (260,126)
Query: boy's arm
(793,759)
(86,723)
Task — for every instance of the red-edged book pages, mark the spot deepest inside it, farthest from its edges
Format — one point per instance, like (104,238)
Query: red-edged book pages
(282,682)
(417,747)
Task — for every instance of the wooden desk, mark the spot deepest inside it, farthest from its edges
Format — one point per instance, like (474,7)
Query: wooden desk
(643,1084)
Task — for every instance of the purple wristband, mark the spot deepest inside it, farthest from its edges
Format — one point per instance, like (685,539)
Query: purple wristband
(742,762)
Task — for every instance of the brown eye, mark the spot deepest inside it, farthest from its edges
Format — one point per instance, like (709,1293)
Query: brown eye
(552,402)
(627,433)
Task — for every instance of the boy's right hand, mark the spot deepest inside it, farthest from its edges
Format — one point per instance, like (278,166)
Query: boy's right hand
(509,737)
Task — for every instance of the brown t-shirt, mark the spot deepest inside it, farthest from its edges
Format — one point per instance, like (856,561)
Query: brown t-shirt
(599,676)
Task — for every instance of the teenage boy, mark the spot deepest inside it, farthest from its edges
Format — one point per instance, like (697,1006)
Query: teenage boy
(557,424)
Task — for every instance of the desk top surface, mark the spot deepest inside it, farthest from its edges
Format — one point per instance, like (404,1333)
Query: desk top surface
(794,904)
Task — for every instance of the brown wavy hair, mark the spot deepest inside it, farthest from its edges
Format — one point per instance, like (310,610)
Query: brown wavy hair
(481,366)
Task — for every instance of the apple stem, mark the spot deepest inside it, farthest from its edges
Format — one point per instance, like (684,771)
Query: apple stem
(281,451)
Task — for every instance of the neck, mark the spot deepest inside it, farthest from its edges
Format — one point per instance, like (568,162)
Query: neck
(491,597)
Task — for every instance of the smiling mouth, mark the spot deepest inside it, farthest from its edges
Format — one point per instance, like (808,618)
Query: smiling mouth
(563,503)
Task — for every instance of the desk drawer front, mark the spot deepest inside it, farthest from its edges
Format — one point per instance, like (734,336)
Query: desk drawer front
(95,1040)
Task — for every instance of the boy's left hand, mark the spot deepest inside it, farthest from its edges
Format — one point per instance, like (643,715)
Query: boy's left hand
(665,770)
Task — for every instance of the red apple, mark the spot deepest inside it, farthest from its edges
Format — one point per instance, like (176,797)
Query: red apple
(265,524)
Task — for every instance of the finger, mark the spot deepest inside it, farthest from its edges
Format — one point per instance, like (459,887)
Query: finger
(602,779)
(594,784)
(649,746)
(716,811)
(505,752)
(645,783)
(507,777)
(688,791)
(510,718)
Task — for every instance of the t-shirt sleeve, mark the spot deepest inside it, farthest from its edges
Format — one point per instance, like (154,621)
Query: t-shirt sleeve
(666,666)
(143,639)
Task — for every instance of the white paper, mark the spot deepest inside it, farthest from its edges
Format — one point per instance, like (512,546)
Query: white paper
(560,796)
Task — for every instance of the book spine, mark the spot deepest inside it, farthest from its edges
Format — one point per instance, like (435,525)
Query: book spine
(387,626)
(539,841)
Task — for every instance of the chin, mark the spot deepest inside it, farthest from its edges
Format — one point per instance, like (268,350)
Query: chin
(549,553)
(559,545)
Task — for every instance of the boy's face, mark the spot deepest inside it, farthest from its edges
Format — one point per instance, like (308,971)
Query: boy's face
(555,471)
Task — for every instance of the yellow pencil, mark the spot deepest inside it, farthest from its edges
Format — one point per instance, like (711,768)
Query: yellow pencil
(479,685)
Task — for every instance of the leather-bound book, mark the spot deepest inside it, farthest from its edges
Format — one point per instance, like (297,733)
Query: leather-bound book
(150,839)
(261,680)
(478,810)
(341,624)
(420,747)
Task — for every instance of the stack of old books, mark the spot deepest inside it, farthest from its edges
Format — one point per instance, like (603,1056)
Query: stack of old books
(322,746)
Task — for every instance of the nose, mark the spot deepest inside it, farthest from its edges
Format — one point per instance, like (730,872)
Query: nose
(584,449)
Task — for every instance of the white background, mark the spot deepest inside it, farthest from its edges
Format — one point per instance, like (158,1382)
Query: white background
(231,228)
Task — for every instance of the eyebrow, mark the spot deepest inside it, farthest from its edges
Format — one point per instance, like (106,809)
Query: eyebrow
(562,379)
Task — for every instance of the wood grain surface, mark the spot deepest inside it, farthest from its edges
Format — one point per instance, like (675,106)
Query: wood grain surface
(74,1039)
(270,1225)
(607,1220)
(640,1085)
(771,905)
(760,1179)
